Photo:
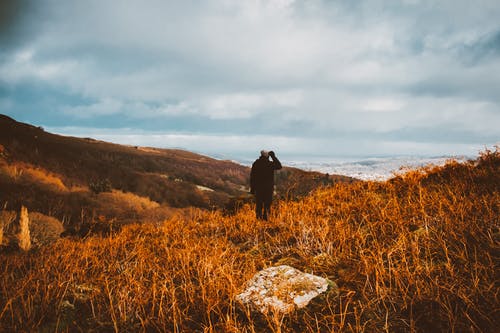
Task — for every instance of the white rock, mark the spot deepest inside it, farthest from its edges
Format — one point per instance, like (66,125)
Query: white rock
(281,289)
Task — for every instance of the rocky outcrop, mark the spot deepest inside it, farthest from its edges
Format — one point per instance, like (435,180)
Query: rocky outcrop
(282,289)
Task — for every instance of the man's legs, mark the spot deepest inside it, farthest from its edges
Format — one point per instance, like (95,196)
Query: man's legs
(263,204)
(267,209)
(259,205)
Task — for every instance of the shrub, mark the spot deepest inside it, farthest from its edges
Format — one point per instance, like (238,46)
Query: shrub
(44,229)
(100,186)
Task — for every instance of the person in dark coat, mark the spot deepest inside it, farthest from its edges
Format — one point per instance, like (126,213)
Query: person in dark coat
(262,182)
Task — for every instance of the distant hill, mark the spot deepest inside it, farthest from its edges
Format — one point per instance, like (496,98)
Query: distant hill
(84,181)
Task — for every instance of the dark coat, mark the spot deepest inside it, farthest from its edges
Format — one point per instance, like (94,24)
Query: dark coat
(262,175)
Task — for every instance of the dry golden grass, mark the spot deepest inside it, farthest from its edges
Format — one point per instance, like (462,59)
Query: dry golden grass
(418,253)
(23,172)
(38,229)
(128,201)
(44,229)
(45,177)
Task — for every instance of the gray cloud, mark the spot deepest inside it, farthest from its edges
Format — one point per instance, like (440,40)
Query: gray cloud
(15,27)
(485,48)
(404,74)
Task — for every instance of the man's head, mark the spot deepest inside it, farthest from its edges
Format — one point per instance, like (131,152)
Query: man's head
(264,153)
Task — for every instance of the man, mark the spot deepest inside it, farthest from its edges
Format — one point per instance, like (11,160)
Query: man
(262,182)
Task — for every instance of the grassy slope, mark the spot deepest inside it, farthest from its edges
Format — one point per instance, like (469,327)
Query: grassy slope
(165,176)
(417,253)
(52,174)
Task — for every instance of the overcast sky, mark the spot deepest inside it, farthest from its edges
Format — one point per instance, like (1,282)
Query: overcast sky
(327,78)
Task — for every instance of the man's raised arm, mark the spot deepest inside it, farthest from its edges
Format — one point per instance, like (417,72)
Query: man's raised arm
(276,163)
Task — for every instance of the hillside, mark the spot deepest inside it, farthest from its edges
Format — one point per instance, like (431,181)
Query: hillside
(153,173)
(90,184)
(418,253)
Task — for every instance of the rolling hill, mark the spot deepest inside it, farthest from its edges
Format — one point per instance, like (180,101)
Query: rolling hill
(91,184)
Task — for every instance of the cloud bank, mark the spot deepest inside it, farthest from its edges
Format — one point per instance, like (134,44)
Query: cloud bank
(230,77)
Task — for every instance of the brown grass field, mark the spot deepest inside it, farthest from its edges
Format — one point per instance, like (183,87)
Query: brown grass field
(417,253)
